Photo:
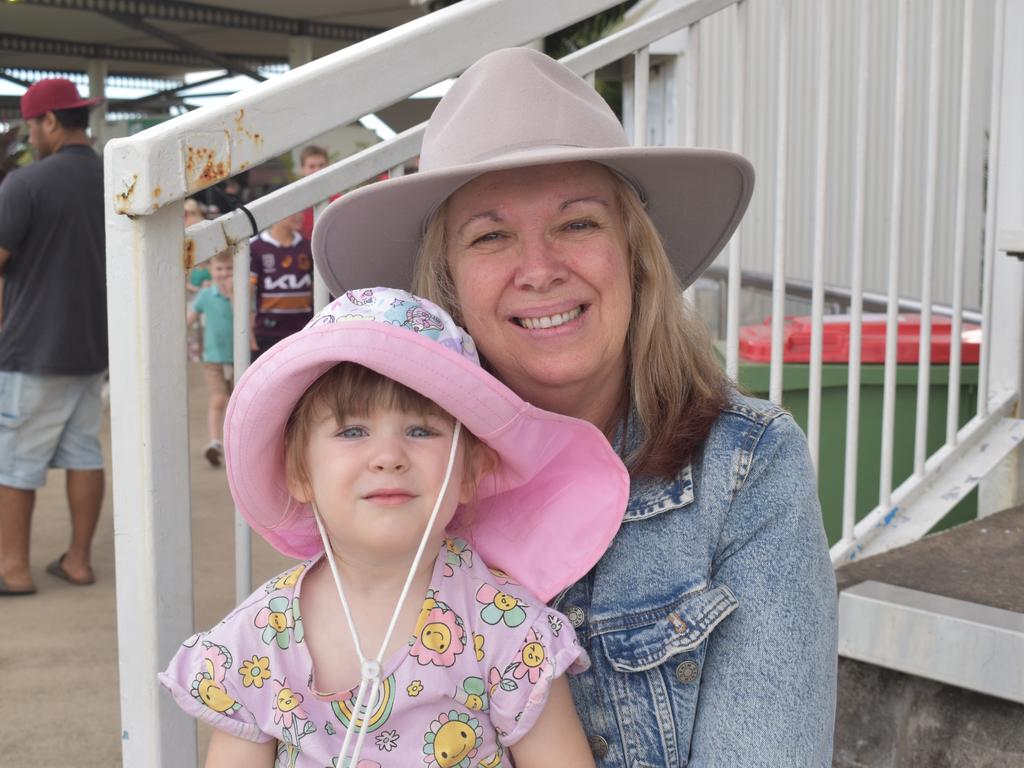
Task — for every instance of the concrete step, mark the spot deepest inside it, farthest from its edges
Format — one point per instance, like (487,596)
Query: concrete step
(950,609)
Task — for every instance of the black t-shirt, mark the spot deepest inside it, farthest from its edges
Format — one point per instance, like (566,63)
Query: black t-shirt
(55,297)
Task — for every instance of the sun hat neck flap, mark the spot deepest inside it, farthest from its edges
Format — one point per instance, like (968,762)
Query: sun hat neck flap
(545,516)
(516,108)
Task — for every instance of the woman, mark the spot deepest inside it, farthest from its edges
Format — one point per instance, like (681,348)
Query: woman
(711,620)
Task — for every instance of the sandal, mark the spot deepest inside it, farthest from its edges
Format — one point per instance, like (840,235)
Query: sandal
(56,568)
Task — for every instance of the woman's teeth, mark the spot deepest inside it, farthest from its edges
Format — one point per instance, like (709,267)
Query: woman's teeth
(551,321)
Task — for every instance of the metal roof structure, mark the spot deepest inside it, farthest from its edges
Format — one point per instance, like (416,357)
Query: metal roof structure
(150,47)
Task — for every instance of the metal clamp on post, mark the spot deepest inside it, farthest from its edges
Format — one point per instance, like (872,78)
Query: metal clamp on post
(1011,242)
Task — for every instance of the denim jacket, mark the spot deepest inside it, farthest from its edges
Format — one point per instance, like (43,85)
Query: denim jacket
(711,619)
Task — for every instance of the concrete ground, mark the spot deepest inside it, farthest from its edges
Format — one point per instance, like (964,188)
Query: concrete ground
(58,652)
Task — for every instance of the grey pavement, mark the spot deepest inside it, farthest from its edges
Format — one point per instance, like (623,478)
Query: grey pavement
(60,702)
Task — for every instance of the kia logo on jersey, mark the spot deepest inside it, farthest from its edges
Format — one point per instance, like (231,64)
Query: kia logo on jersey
(287,282)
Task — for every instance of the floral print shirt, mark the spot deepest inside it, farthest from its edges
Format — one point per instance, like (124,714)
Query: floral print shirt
(472,681)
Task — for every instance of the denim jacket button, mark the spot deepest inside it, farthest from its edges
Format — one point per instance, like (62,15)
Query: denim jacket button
(598,746)
(686,672)
(575,614)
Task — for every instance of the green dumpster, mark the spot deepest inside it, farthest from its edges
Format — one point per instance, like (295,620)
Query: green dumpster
(754,380)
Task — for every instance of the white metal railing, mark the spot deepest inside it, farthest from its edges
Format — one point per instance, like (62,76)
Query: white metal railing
(148,175)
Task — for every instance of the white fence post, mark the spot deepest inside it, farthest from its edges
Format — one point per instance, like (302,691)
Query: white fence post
(1003,487)
(146,262)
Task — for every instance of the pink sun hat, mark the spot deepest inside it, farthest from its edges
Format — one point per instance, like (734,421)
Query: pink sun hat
(544,517)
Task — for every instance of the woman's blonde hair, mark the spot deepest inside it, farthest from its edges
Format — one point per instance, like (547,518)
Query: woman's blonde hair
(674,383)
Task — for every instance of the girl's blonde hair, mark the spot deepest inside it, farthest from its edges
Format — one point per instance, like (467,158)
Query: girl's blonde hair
(347,390)
(675,386)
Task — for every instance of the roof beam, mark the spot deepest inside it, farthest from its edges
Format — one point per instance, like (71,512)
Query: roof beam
(166,57)
(216,16)
(15,80)
(181,43)
(175,92)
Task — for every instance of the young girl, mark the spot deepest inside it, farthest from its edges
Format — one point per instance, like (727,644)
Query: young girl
(371,440)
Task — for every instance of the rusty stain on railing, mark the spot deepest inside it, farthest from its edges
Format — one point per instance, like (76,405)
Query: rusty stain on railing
(203,168)
(123,198)
(256,138)
(189,253)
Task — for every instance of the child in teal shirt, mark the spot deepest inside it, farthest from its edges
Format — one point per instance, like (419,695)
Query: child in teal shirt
(213,303)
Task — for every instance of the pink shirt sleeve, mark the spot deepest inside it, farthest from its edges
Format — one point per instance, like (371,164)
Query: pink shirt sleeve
(520,680)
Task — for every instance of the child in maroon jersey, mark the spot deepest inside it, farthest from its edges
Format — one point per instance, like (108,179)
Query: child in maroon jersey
(281,270)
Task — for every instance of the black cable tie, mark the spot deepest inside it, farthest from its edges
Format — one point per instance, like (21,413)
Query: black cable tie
(252,220)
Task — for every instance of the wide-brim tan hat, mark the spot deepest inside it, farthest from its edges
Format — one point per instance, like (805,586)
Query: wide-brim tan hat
(516,108)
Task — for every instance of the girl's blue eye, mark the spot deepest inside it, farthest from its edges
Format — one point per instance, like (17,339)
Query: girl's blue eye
(421,432)
(352,432)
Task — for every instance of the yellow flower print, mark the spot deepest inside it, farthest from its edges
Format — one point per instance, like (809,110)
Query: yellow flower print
(255,672)
(289,579)
(478,646)
(415,688)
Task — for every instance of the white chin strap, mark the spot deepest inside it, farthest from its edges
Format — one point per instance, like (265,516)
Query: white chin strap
(369,693)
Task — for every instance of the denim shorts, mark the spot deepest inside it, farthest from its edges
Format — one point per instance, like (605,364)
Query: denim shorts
(48,421)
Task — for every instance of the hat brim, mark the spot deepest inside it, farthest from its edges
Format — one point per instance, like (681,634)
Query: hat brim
(73,105)
(695,197)
(545,517)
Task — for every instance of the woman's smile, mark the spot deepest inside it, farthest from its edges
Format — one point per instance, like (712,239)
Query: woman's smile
(549,320)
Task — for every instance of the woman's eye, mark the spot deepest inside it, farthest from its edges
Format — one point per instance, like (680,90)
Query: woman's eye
(581,225)
(487,237)
(352,432)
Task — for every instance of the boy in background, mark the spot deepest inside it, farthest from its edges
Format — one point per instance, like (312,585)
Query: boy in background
(213,303)
(281,271)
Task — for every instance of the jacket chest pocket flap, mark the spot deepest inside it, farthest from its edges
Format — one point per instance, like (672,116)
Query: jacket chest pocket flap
(649,639)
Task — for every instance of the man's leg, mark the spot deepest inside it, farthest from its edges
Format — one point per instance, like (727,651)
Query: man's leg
(80,453)
(15,531)
(85,498)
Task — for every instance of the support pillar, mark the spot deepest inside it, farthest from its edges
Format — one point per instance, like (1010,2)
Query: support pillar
(97,71)
(1003,487)
(300,51)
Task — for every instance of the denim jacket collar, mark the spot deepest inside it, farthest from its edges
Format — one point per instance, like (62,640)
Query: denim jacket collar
(650,496)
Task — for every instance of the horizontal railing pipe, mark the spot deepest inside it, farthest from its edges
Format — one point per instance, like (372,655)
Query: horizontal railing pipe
(196,150)
(802,289)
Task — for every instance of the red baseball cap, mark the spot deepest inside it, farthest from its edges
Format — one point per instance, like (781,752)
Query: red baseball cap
(51,94)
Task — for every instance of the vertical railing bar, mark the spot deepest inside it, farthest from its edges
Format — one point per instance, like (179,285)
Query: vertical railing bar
(732,334)
(241,352)
(779,235)
(692,83)
(856,282)
(992,188)
(150,451)
(892,310)
(691,97)
(320,293)
(820,210)
(956,332)
(641,81)
(924,355)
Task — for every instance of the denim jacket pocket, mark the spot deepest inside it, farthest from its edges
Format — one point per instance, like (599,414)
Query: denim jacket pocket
(650,665)
(647,640)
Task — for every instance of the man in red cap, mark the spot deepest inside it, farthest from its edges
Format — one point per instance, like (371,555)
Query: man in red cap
(53,336)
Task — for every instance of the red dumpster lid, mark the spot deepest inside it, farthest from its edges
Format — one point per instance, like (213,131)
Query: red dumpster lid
(756,340)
